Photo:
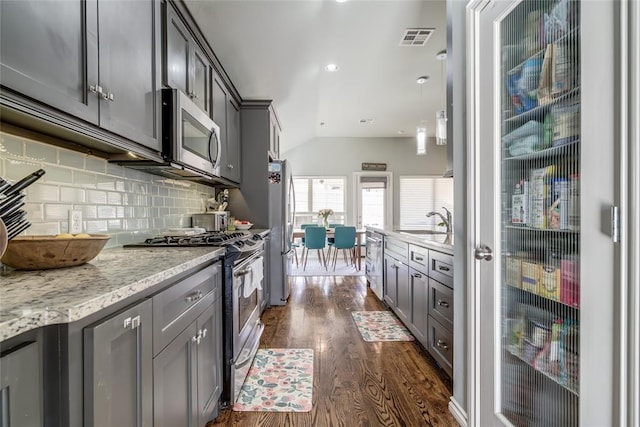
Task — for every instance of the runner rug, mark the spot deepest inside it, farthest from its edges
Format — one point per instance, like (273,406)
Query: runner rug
(380,326)
(280,380)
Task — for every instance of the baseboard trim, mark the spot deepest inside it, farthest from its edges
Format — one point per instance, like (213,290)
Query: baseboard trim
(458,413)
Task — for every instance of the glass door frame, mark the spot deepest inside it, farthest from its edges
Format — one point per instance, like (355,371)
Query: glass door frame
(357,197)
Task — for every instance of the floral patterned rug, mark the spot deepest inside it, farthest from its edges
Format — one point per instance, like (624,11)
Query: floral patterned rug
(280,380)
(380,326)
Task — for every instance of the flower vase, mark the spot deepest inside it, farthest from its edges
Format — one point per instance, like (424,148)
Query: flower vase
(325,221)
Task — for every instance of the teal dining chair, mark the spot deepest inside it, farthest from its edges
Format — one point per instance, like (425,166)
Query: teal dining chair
(314,238)
(295,245)
(331,240)
(345,238)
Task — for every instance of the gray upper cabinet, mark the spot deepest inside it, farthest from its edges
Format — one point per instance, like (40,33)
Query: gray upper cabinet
(117,369)
(21,387)
(129,60)
(187,67)
(96,60)
(226,114)
(50,53)
(231,163)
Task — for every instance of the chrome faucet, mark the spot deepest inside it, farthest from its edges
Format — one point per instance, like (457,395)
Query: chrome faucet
(445,220)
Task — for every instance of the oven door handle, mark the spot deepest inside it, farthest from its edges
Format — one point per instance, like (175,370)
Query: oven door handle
(242,272)
(253,351)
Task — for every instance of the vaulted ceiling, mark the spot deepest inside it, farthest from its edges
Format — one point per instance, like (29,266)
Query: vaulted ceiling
(275,49)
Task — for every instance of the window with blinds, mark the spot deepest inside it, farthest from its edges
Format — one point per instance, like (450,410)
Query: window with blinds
(315,193)
(420,195)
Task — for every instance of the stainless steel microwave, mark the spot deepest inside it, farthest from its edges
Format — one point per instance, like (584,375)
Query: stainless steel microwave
(189,136)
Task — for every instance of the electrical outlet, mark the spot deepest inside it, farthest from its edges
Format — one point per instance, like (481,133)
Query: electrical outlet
(75,222)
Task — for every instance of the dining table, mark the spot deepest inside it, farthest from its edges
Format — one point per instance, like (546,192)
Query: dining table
(298,233)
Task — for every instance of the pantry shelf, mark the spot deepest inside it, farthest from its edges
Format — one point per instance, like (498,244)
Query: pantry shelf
(541,230)
(571,148)
(540,111)
(565,38)
(541,299)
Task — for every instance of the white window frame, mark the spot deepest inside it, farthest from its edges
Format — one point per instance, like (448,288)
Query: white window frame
(314,214)
(438,203)
(357,195)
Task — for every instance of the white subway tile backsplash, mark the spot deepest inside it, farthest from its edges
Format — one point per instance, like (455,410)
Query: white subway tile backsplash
(11,145)
(57,175)
(56,212)
(42,192)
(72,195)
(71,159)
(37,152)
(84,179)
(114,198)
(97,197)
(107,212)
(95,164)
(96,226)
(127,204)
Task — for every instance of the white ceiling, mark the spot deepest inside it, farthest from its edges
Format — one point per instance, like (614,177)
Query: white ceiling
(275,49)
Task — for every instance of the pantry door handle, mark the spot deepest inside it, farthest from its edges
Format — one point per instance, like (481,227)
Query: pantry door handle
(484,252)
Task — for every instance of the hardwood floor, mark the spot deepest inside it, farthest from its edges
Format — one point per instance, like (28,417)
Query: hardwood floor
(356,383)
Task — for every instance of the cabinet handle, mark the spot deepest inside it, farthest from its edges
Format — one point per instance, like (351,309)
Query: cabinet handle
(441,268)
(195,339)
(127,323)
(418,275)
(97,89)
(419,258)
(442,303)
(135,322)
(193,95)
(204,332)
(194,297)
(442,344)
(230,166)
(107,96)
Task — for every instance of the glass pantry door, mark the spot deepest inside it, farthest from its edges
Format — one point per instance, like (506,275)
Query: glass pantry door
(542,161)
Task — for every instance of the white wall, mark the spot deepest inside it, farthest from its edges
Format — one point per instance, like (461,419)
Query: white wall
(343,156)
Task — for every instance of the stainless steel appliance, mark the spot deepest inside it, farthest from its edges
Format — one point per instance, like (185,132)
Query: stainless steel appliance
(211,221)
(374,263)
(241,324)
(189,136)
(268,202)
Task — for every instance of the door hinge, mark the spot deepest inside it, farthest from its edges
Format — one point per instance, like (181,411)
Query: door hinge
(615,224)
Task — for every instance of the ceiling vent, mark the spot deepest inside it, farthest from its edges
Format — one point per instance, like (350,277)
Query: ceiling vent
(416,36)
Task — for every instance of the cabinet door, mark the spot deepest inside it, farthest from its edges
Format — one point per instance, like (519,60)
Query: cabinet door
(176,52)
(390,281)
(129,69)
(419,286)
(174,380)
(220,102)
(200,79)
(21,387)
(231,167)
(404,294)
(209,349)
(117,369)
(50,53)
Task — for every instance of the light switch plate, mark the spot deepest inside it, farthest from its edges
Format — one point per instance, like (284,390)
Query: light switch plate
(75,222)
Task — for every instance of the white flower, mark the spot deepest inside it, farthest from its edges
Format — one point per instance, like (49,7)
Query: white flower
(325,212)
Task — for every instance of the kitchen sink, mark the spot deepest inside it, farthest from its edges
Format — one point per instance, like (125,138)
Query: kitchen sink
(420,232)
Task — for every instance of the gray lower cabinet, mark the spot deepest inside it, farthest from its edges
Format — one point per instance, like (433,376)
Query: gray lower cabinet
(440,339)
(21,387)
(56,53)
(390,281)
(187,373)
(118,376)
(419,288)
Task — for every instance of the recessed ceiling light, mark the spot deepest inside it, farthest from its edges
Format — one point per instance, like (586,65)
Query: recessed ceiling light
(366,121)
(340,1)
(400,132)
(331,67)
(422,79)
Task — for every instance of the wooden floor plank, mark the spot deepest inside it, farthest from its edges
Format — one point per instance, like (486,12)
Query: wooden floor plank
(356,383)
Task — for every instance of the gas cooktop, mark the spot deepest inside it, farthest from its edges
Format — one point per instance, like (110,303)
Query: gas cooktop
(213,238)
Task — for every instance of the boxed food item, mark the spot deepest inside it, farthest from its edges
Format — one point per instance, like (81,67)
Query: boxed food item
(513,272)
(550,282)
(570,281)
(520,203)
(558,211)
(573,203)
(530,277)
(538,187)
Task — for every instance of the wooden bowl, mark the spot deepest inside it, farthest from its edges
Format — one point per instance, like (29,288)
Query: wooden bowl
(45,252)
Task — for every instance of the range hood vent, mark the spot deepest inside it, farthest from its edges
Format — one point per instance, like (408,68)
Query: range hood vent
(416,36)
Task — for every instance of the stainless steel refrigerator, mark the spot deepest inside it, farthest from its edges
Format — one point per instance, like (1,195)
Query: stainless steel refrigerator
(268,202)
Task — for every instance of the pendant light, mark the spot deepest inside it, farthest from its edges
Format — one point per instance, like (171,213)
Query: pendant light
(441,116)
(421,129)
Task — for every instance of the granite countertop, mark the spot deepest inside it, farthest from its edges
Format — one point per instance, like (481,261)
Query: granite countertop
(31,299)
(441,241)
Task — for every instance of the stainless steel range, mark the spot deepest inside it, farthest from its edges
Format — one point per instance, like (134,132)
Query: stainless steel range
(242,286)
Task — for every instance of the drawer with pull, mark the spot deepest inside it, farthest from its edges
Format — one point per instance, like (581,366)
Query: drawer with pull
(441,303)
(441,267)
(397,248)
(179,305)
(419,258)
(441,345)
